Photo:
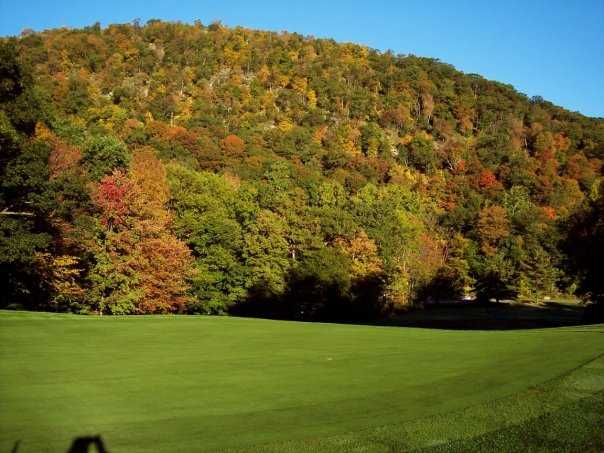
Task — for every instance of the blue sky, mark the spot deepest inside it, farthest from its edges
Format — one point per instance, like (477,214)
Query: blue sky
(553,48)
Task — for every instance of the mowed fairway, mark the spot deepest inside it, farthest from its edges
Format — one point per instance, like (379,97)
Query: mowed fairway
(178,383)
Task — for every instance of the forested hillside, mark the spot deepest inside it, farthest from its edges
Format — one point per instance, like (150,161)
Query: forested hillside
(201,169)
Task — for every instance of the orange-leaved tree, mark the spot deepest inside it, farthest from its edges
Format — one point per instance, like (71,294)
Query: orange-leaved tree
(141,267)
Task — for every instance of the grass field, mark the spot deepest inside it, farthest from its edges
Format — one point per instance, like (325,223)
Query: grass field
(179,384)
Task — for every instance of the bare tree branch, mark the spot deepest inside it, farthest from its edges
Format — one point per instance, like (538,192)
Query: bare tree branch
(5,211)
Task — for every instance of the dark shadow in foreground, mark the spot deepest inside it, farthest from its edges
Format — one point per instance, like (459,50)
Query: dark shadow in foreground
(83,444)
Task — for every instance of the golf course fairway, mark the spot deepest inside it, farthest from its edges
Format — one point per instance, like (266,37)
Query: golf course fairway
(201,383)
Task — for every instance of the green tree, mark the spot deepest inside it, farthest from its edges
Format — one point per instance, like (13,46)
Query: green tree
(103,154)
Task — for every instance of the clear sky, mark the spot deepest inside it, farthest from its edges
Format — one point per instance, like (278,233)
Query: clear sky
(553,48)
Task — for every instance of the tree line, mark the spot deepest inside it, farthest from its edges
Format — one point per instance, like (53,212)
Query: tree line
(200,169)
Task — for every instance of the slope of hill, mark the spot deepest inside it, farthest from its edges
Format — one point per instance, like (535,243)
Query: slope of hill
(172,167)
(177,383)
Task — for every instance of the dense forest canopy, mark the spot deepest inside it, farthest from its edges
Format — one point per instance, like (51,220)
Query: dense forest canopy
(203,169)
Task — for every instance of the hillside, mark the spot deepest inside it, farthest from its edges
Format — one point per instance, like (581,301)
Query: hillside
(200,383)
(169,167)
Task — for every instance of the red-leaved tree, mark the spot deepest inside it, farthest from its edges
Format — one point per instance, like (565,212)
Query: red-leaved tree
(142,266)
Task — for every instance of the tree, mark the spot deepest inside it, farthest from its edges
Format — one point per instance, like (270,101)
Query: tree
(266,253)
(454,279)
(25,196)
(493,226)
(209,210)
(363,254)
(585,246)
(232,145)
(141,267)
(419,153)
(495,277)
(104,154)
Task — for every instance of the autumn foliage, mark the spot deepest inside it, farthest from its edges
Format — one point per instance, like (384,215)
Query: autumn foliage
(493,226)
(137,240)
(113,196)
(488,180)
(168,167)
(232,145)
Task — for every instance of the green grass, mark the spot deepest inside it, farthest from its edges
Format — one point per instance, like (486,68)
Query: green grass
(175,383)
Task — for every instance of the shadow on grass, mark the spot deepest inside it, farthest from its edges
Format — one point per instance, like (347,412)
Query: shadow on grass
(493,316)
(83,445)
(332,296)
(330,306)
